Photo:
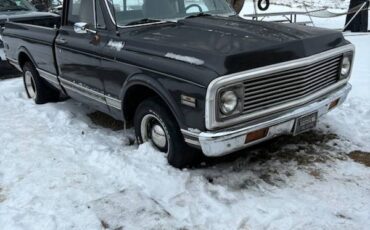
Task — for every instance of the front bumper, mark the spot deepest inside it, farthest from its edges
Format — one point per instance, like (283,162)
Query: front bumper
(219,143)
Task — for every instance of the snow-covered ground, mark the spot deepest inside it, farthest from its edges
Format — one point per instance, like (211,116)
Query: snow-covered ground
(343,4)
(61,170)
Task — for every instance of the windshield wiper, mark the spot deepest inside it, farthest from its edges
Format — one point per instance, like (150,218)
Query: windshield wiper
(142,21)
(199,15)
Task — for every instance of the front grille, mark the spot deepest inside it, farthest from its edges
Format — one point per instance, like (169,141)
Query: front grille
(279,88)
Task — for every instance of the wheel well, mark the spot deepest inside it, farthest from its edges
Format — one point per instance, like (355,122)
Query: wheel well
(134,96)
(23,59)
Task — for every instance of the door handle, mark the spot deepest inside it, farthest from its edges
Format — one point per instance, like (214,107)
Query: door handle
(61,41)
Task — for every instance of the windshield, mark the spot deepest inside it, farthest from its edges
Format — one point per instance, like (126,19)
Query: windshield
(15,5)
(131,12)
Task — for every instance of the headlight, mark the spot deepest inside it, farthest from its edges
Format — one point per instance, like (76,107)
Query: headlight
(346,66)
(228,102)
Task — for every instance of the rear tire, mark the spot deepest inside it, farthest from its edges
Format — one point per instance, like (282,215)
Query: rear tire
(36,87)
(154,123)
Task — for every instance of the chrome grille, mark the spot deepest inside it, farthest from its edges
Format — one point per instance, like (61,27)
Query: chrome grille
(282,87)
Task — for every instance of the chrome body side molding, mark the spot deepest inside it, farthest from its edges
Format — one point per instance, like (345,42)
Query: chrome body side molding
(82,90)
(48,76)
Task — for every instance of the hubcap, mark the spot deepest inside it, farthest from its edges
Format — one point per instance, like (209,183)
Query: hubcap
(158,136)
(153,131)
(30,84)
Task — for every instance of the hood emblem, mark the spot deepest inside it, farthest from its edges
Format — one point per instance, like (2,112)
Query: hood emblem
(118,45)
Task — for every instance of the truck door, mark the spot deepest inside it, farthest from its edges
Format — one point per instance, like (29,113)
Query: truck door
(77,55)
(114,73)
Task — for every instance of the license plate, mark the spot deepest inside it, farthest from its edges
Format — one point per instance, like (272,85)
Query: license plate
(305,123)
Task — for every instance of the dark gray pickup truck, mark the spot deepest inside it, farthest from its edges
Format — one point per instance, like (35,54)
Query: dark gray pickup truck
(187,74)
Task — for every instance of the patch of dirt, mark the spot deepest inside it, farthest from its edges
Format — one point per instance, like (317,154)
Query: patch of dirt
(360,157)
(305,149)
(316,173)
(106,121)
(2,197)
(104,224)
(275,161)
(341,216)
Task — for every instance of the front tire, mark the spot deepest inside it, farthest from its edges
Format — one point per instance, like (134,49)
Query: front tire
(154,123)
(37,88)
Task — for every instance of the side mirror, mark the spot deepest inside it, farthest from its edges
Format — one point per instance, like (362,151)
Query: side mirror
(81,28)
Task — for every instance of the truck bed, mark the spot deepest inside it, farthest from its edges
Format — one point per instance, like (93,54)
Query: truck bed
(37,40)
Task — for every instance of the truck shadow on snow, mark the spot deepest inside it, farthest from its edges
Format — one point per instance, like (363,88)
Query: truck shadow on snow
(7,71)
(304,150)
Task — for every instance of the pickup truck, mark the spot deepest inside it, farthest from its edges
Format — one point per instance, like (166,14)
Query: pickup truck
(187,74)
(20,11)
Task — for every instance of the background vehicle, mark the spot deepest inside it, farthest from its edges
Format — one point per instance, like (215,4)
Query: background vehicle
(187,74)
(57,6)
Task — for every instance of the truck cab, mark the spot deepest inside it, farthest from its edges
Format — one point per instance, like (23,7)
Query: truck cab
(188,75)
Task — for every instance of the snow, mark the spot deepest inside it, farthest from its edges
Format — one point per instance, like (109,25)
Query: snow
(116,45)
(191,60)
(60,170)
(343,4)
(2,55)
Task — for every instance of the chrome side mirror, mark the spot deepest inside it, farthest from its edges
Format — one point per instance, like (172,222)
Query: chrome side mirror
(81,28)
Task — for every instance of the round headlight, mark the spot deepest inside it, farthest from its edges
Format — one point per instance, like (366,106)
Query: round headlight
(228,102)
(346,66)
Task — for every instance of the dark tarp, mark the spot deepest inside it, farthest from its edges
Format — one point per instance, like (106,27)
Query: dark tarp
(360,23)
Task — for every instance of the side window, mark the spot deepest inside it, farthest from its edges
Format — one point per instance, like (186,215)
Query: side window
(81,11)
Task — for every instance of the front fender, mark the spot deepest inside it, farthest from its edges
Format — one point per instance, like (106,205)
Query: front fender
(170,91)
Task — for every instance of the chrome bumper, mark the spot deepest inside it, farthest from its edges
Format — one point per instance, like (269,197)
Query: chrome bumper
(219,143)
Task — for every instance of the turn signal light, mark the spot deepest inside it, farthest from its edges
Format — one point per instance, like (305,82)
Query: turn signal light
(256,135)
(333,104)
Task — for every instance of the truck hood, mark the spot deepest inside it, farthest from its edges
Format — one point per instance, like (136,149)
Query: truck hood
(22,16)
(231,44)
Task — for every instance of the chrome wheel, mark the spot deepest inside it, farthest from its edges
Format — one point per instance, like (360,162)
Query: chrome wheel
(152,130)
(30,84)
